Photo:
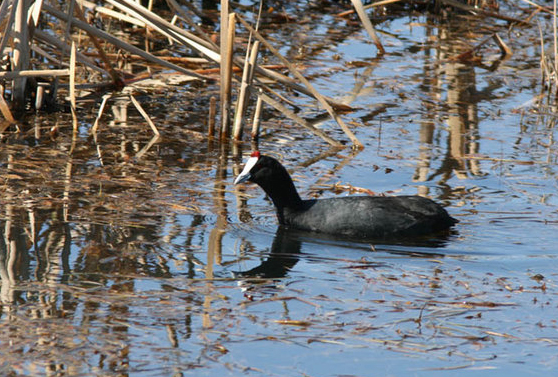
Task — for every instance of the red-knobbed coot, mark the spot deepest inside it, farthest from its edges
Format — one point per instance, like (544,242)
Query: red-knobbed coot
(370,217)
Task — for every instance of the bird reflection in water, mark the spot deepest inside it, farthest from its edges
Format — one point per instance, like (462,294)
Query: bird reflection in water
(287,244)
(285,252)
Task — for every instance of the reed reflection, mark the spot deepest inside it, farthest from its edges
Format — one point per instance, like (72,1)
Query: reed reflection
(457,78)
(38,245)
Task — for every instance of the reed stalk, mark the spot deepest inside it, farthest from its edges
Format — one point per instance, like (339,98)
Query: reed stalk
(257,119)
(242,103)
(73,86)
(21,54)
(145,115)
(9,22)
(306,83)
(108,65)
(303,122)
(120,44)
(11,75)
(357,4)
(226,75)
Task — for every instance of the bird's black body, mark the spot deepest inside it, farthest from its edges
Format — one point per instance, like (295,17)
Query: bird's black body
(369,217)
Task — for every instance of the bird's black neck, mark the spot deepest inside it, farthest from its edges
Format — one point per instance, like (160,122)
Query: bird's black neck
(282,190)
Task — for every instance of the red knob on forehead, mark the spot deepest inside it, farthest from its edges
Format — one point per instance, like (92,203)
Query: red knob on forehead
(255,154)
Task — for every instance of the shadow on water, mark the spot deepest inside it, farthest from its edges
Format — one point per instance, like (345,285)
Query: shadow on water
(287,245)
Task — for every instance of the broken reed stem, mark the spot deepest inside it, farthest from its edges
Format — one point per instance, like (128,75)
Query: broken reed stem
(144,114)
(173,59)
(303,122)
(6,34)
(193,9)
(308,85)
(116,15)
(106,61)
(504,48)
(73,86)
(167,29)
(539,7)
(357,4)
(481,13)
(253,59)
(4,9)
(64,48)
(120,44)
(33,20)
(10,75)
(289,82)
(101,111)
(366,7)
(201,46)
(70,15)
(257,119)
(5,109)
(5,6)
(178,9)
(242,103)
(40,97)
(227,47)
(211,117)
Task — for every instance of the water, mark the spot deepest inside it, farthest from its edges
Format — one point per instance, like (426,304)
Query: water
(146,266)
